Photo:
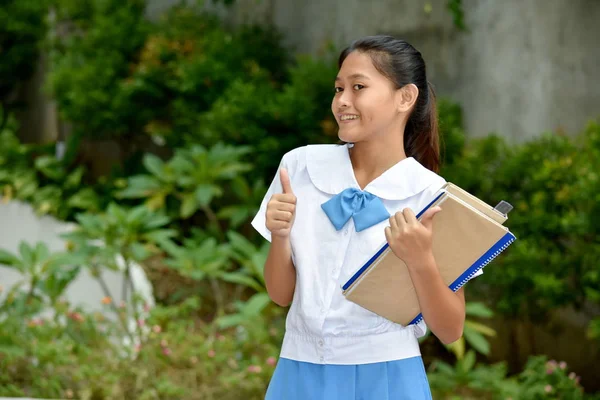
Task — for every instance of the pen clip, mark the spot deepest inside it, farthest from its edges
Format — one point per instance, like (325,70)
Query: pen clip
(503,207)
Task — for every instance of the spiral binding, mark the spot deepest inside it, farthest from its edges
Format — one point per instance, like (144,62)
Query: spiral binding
(468,277)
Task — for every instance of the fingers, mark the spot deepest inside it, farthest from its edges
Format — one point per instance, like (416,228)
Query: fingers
(388,235)
(285,181)
(393,223)
(284,202)
(281,209)
(427,218)
(400,220)
(275,226)
(409,216)
(285,216)
(285,199)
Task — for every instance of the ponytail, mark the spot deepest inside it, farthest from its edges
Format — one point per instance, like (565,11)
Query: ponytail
(421,135)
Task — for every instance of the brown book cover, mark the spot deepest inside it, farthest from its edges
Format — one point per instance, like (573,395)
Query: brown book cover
(467,235)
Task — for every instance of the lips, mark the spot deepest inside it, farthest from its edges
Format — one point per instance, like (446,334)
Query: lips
(348,117)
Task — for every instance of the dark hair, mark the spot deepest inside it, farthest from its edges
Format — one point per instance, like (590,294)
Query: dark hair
(402,64)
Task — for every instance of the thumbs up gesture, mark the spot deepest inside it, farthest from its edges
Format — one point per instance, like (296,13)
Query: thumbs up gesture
(281,209)
(411,240)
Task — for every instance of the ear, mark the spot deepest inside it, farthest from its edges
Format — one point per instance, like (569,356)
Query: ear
(406,97)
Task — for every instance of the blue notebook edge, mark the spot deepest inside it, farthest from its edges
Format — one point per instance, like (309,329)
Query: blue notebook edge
(484,260)
(385,246)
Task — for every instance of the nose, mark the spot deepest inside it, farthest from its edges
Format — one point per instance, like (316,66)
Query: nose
(343,100)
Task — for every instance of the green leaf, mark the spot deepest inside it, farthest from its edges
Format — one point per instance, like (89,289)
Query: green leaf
(228,321)
(256,304)
(12,351)
(26,187)
(58,279)
(89,223)
(85,199)
(50,167)
(477,341)
(27,255)
(469,361)
(458,348)
(41,252)
(160,236)
(241,279)
(444,368)
(154,221)
(117,212)
(139,252)
(241,244)
(74,178)
(154,164)
(189,205)
(136,215)
(477,309)
(240,216)
(140,186)
(156,201)
(478,327)
(204,194)
(10,260)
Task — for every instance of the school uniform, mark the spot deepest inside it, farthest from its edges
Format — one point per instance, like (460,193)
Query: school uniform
(333,348)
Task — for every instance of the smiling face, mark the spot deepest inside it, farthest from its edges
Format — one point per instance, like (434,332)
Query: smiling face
(366,103)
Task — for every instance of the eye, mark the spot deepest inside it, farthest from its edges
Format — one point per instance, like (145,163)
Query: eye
(338,89)
(358,87)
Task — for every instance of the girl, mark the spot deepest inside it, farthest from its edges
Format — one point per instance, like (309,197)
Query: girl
(330,208)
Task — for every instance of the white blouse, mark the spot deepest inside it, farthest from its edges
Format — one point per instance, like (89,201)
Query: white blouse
(323,327)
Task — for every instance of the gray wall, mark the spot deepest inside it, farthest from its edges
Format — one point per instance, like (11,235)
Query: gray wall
(523,68)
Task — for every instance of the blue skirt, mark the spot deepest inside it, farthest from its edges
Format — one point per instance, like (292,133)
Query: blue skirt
(392,380)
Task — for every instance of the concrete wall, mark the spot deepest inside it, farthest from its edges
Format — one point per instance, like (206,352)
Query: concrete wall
(524,67)
(20,223)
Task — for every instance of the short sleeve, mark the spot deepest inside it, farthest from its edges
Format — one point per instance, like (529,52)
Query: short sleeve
(260,219)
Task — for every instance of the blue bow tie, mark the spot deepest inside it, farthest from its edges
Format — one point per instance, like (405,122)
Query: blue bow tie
(364,208)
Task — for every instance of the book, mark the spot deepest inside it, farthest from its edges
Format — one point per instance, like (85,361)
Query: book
(468,234)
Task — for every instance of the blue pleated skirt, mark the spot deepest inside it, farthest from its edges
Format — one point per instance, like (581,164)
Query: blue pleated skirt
(392,380)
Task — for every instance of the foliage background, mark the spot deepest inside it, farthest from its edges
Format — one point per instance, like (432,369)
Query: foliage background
(200,114)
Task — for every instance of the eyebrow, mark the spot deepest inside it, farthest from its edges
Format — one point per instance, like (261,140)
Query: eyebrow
(353,76)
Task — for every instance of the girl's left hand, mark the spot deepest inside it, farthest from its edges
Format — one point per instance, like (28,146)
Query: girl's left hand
(410,239)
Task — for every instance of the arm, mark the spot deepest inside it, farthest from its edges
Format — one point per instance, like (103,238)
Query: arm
(280,273)
(411,241)
(442,309)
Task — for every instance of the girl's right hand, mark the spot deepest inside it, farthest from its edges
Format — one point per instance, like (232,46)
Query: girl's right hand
(281,209)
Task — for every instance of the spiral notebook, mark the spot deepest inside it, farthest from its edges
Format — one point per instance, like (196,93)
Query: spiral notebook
(467,235)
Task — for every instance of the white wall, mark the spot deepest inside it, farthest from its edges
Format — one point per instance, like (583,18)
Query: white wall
(19,223)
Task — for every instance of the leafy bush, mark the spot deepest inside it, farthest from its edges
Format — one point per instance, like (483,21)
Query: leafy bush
(185,80)
(22,29)
(553,183)
(159,78)
(101,355)
(78,355)
(540,379)
(190,180)
(91,62)
(32,173)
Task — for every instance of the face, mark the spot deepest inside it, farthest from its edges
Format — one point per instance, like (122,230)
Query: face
(365,101)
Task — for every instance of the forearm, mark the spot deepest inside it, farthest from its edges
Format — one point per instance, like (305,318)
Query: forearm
(280,273)
(442,309)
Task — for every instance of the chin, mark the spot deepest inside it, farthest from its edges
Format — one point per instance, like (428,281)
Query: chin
(347,138)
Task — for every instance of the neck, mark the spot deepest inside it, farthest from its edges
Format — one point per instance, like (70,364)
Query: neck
(372,158)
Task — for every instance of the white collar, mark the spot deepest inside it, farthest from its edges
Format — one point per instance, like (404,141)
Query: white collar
(330,170)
